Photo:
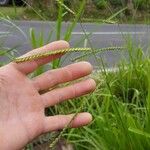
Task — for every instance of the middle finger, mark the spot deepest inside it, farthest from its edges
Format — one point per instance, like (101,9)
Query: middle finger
(62,75)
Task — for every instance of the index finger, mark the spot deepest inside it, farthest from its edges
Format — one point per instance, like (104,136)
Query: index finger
(29,66)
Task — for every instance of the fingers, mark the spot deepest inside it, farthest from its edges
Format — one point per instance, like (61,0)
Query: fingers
(30,66)
(58,95)
(57,76)
(61,121)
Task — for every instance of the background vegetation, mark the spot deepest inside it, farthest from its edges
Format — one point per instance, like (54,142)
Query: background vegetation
(95,10)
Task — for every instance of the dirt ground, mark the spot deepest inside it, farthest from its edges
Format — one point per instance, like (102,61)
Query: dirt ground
(62,145)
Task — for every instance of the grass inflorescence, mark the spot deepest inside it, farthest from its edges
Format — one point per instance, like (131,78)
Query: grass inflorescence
(55,52)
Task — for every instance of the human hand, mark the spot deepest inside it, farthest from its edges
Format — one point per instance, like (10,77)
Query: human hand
(22,115)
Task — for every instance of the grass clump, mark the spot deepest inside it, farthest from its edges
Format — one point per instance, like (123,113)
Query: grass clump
(13,13)
(95,10)
(120,109)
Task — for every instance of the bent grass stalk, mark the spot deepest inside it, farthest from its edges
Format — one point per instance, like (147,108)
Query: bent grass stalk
(54,142)
(108,20)
(67,8)
(61,51)
(52,145)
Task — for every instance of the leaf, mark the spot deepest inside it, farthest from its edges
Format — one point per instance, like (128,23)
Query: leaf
(139,132)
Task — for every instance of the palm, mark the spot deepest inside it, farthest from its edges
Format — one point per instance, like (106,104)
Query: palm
(22,115)
(23,112)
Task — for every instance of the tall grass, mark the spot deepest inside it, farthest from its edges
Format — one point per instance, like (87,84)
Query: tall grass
(120,108)
(8,53)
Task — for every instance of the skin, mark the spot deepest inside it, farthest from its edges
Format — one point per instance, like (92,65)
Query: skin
(22,115)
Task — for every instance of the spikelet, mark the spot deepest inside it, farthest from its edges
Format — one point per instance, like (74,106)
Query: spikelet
(51,146)
(62,51)
(67,8)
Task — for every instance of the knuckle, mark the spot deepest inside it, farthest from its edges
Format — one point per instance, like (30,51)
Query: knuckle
(74,91)
(3,81)
(68,73)
(52,78)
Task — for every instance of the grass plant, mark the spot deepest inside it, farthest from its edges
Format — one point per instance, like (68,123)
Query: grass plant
(120,109)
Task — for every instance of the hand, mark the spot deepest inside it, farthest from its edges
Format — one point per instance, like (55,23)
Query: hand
(22,115)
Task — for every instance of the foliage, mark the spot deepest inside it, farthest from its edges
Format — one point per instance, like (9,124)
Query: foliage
(101,4)
(139,4)
(120,108)
(116,2)
(142,4)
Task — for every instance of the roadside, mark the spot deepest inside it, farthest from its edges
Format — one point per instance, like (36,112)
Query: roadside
(13,13)
(90,15)
(100,36)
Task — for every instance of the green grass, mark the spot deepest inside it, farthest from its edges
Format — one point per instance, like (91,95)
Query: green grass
(120,108)
(12,13)
(90,15)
